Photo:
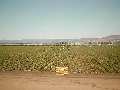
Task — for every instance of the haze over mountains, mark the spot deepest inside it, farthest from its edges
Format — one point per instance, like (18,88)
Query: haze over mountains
(41,41)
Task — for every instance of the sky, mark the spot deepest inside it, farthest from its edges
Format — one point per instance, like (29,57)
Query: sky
(58,19)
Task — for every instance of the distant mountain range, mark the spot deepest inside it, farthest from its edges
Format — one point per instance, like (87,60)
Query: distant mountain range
(107,38)
(44,41)
(112,37)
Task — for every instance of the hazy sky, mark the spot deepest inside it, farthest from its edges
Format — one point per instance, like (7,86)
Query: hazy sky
(26,19)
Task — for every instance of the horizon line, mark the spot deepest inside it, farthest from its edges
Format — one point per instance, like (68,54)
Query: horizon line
(59,38)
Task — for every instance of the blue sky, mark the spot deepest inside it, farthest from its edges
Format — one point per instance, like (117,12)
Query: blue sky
(34,19)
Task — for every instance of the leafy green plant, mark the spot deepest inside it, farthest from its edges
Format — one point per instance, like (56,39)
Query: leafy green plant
(79,59)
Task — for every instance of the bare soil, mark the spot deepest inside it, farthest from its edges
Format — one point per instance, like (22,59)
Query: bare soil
(51,81)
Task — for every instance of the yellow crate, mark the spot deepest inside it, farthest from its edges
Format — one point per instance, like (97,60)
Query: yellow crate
(62,70)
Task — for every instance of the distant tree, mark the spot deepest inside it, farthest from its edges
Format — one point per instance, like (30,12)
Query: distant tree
(90,43)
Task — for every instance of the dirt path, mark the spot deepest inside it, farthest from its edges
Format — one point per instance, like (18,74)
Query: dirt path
(50,81)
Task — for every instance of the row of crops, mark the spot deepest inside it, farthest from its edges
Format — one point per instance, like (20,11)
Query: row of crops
(79,59)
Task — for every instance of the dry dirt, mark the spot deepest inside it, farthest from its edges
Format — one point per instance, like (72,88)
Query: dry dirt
(51,81)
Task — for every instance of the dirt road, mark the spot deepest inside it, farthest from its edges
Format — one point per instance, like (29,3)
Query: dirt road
(51,81)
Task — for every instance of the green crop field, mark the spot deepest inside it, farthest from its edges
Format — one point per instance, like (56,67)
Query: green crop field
(79,59)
